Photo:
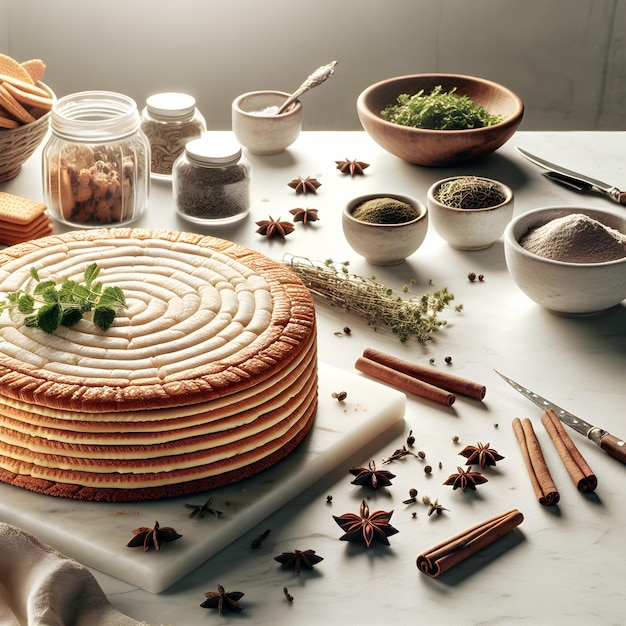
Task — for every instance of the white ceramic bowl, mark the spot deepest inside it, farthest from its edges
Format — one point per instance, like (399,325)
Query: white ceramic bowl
(559,286)
(265,133)
(469,229)
(385,244)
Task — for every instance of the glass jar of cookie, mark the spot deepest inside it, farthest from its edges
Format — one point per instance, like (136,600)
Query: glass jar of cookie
(170,120)
(96,164)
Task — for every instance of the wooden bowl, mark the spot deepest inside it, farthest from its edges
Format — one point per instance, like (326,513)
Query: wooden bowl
(439,148)
(18,144)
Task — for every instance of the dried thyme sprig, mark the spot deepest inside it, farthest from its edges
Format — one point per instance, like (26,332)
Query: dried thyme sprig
(407,317)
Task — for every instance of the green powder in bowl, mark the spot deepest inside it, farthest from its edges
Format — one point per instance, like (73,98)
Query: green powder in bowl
(385,211)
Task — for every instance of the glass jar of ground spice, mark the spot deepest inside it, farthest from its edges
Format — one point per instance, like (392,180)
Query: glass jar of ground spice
(170,120)
(211,181)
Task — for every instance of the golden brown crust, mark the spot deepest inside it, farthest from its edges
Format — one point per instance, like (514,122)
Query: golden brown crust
(208,376)
(281,342)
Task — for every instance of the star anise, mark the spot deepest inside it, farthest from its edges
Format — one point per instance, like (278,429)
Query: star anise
(305,185)
(435,507)
(371,476)
(483,455)
(200,510)
(354,168)
(298,559)
(304,215)
(465,479)
(152,537)
(365,526)
(274,228)
(222,600)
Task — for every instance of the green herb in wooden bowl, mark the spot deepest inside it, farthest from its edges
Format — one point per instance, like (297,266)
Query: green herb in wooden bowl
(438,110)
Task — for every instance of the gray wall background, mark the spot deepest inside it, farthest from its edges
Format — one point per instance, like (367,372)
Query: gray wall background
(565,58)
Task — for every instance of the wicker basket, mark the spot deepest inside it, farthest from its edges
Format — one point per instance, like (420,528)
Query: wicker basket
(17,144)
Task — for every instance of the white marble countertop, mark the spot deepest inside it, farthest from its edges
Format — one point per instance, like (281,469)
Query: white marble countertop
(562,564)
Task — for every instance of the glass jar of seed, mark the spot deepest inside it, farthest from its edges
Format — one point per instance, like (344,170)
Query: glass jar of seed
(170,120)
(211,181)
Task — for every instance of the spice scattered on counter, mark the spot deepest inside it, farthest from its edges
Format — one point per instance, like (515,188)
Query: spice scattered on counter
(435,507)
(465,479)
(575,238)
(384,211)
(199,511)
(367,526)
(304,215)
(398,454)
(223,600)
(299,559)
(576,466)
(371,476)
(354,168)
(305,185)
(538,472)
(274,228)
(257,542)
(152,537)
(456,549)
(481,454)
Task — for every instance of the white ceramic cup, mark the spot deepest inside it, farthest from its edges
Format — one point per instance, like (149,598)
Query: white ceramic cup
(258,128)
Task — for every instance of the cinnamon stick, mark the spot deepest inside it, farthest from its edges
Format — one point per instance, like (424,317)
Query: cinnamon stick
(456,549)
(403,382)
(576,466)
(538,471)
(445,380)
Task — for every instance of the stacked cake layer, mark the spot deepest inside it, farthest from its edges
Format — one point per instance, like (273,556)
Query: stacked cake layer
(208,376)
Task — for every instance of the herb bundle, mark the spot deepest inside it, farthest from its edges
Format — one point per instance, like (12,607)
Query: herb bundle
(438,110)
(381,306)
(48,306)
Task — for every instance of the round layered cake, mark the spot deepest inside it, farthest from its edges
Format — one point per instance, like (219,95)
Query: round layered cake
(206,377)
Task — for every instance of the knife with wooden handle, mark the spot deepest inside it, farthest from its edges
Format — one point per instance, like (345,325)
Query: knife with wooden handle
(611,444)
(574,180)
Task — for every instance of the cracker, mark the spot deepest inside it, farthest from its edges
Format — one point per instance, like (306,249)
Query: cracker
(13,107)
(24,86)
(16,229)
(35,68)
(18,210)
(28,99)
(11,67)
(6,239)
(7,122)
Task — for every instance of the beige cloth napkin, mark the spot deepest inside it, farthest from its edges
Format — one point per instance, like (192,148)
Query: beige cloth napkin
(41,587)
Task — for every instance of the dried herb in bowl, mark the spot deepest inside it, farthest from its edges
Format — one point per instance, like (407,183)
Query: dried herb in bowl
(470,192)
(438,110)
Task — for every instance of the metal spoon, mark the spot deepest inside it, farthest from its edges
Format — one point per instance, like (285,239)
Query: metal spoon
(315,79)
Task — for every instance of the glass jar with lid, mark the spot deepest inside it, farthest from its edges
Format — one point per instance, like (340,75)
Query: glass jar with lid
(211,181)
(96,162)
(170,120)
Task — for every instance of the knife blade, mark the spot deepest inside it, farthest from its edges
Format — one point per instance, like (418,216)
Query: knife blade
(611,444)
(580,182)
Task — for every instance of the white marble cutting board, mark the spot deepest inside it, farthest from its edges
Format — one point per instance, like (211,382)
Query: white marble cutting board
(96,534)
